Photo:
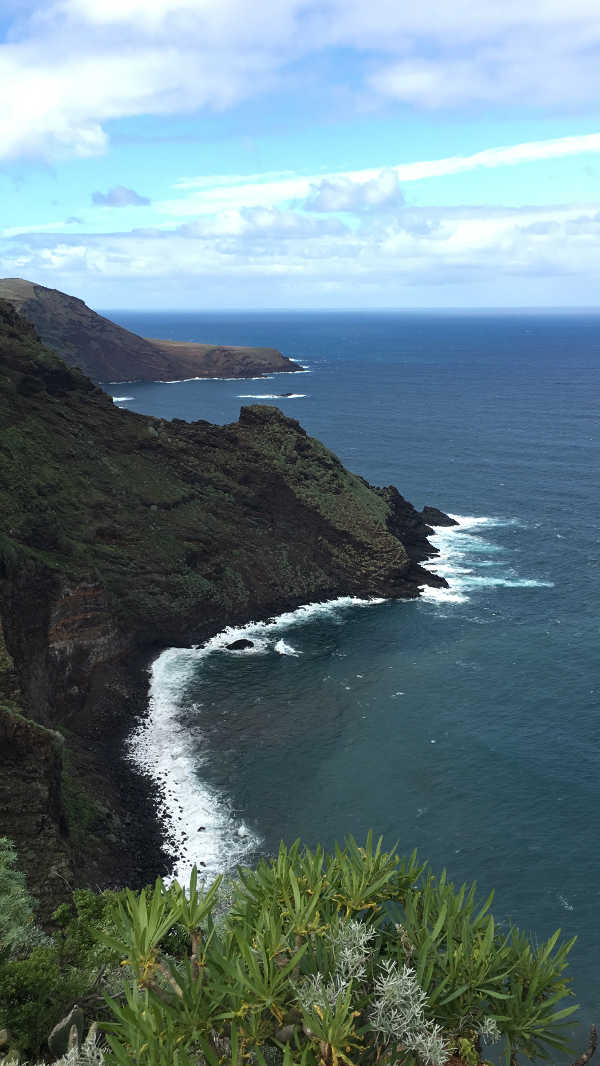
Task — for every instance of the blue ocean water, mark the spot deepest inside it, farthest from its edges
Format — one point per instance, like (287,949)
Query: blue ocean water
(465,724)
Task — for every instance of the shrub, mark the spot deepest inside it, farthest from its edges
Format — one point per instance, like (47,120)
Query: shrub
(35,993)
(308,960)
(330,960)
(41,977)
(18,931)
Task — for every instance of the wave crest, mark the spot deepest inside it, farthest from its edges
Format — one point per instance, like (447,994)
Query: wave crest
(463,553)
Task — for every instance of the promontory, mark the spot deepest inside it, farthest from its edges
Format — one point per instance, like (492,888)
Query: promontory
(107,352)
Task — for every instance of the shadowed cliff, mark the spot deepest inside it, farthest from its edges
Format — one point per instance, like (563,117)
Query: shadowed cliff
(121,533)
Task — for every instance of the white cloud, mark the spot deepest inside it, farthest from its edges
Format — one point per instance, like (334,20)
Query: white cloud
(71,66)
(347,194)
(206,195)
(56,93)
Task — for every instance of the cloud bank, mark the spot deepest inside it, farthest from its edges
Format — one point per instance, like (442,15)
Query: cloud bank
(69,67)
(283,258)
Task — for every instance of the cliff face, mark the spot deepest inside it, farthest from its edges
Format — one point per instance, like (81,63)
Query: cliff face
(121,533)
(31,806)
(107,352)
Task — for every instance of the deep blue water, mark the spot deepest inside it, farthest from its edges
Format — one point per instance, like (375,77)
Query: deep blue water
(467,725)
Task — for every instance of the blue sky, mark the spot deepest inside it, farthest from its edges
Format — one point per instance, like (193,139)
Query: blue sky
(201,154)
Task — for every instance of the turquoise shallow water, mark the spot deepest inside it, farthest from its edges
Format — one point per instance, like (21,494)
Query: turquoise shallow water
(465,724)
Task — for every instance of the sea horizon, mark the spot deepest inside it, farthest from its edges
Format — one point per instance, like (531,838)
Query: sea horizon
(555,309)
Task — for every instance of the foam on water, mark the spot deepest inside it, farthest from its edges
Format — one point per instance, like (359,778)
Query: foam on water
(204,827)
(285,649)
(257,377)
(442,595)
(181,381)
(463,544)
(121,399)
(333,609)
(271,396)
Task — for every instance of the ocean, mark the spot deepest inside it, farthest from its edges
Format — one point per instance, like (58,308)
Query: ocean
(465,724)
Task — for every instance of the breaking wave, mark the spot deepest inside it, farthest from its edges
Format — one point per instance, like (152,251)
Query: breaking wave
(464,553)
(285,649)
(206,377)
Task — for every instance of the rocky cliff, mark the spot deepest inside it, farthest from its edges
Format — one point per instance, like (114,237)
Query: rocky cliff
(120,534)
(107,352)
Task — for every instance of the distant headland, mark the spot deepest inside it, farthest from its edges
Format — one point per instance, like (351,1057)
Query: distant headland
(107,352)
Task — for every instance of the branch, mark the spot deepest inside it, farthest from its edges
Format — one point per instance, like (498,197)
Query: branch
(169,976)
(581,1061)
(196,944)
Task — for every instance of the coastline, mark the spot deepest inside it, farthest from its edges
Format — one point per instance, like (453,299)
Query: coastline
(139,840)
(173,818)
(198,824)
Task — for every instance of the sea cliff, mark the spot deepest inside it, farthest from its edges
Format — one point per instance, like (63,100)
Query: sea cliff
(121,534)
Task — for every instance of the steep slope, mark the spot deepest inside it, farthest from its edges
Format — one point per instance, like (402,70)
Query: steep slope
(107,352)
(121,533)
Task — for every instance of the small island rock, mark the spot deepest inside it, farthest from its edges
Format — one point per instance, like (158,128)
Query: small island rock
(240,645)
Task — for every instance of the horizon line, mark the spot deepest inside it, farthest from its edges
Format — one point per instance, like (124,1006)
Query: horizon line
(571,308)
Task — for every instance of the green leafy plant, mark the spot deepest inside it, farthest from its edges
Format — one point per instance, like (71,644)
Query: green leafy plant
(358,957)
(329,960)
(18,930)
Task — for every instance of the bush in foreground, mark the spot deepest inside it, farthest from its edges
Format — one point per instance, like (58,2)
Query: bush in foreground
(324,960)
(357,957)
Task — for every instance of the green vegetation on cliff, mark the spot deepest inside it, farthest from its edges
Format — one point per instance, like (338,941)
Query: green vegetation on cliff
(180,524)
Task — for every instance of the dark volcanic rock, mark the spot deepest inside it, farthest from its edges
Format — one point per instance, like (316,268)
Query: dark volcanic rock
(240,645)
(435,517)
(108,352)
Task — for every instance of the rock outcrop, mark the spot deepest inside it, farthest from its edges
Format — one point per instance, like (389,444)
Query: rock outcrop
(107,352)
(121,534)
(434,517)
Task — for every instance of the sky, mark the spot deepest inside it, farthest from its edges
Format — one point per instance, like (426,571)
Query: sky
(223,154)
